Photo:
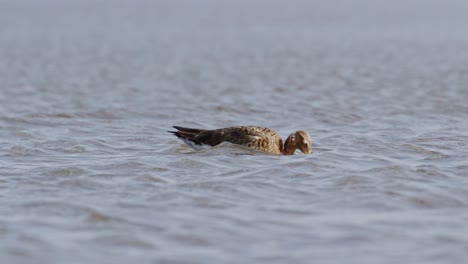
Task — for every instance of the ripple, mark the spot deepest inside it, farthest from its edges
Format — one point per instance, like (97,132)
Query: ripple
(67,172)
(22,151)
(66,209)
(101,114)
(51,115)
(188,163)
(148,178)
(75,184)
(63,146)
(353,181)
(433,154)
(125,241)
(24,135)
(189,240)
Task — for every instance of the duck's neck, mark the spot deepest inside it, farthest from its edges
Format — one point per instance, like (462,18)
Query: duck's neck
(289,145)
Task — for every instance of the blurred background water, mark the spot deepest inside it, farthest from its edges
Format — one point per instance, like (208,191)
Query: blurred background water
(88,90)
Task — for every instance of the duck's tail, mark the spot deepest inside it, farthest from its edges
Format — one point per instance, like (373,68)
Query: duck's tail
(189,136)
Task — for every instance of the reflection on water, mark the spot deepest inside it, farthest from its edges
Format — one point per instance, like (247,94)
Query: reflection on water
(88,173)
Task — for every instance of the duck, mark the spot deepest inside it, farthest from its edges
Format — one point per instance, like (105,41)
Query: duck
(253,137)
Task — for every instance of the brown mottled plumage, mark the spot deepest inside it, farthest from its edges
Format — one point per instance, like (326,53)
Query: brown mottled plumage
(259,138)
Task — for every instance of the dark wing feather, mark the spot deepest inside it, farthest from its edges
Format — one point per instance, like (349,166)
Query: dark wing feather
(239,135)
(235,135)
(198,136)
(187,134)
(189,130)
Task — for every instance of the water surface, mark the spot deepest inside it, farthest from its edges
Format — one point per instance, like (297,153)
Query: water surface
(88,173)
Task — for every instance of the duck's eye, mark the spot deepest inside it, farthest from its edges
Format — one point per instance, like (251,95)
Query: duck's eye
(305,142)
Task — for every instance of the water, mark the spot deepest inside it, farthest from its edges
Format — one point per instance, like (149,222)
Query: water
(88,173)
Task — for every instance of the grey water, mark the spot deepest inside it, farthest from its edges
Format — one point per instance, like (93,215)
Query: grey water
(88,173)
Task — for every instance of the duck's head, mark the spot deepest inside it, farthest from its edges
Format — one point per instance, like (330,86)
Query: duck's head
(303,142)
(297,140)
